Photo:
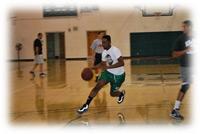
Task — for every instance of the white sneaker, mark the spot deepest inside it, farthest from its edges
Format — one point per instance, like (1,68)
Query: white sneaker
(83,109)
(121,97)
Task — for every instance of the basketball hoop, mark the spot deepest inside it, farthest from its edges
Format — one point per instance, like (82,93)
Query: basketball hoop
(157,15)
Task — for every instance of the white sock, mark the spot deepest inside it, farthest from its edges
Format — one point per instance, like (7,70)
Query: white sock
(177,104)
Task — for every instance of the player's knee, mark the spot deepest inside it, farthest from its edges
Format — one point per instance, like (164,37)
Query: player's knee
(184,88)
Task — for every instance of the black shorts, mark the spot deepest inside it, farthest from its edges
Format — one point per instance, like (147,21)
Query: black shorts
(97,59)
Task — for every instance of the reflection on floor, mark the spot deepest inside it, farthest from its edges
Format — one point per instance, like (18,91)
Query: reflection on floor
(54,99)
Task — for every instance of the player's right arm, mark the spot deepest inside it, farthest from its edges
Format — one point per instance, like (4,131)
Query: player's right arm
(176,54)
(36,50)
(177,48)
(101,65)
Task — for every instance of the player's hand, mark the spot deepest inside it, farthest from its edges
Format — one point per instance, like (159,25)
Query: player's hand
(93,67)
(188,50)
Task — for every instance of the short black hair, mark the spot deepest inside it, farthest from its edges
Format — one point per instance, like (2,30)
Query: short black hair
(39,34)
(187,22)
(107,37)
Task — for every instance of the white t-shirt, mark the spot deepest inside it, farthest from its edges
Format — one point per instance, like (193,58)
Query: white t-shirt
(97,46)
(111,56)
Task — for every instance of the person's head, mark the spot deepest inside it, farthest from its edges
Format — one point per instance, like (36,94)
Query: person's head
(187,26)
(39,35)
(106,42)
(100,34)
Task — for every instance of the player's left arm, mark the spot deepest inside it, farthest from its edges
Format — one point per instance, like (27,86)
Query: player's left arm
(118,64)
(100,65)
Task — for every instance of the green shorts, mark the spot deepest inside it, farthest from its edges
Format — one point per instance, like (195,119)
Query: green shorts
(114,80)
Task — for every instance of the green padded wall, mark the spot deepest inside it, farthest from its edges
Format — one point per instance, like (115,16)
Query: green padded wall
(150,44)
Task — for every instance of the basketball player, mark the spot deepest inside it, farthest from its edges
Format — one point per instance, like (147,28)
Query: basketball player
(112,66)
(37,47)
(97,49)
(182,50)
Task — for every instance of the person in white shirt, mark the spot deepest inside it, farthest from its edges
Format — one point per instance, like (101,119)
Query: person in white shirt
(97,50)
(113,72)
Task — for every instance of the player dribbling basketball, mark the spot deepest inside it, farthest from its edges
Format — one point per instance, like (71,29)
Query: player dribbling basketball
(113,72)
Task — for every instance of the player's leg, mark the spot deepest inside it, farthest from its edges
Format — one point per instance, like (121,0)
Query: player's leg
(41,62)
(182,92)
(176,110)
(96,62)
(32,72)
(116,93)
(41,70)
(184,87)
(119,94)
(92,94)
(96,89)
(34,67)
(115,85)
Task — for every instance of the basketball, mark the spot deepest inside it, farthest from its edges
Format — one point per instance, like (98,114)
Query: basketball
(87,74)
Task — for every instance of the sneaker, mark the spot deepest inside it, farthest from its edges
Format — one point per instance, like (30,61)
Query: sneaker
(42,74)
(121,97)
(176,114)
(33,74)
(83,109)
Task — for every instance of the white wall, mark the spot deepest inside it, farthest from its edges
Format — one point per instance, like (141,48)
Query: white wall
(119,24)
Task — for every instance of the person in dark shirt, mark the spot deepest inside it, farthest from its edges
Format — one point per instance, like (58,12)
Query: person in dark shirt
(182,50)
(37,47)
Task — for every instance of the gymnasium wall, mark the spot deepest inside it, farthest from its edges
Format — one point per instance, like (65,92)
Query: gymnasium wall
(119,23)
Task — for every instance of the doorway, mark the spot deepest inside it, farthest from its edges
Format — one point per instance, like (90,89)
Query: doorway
(91,36)
(55,45)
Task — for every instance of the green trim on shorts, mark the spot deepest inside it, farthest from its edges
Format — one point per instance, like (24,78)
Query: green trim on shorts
(114,80)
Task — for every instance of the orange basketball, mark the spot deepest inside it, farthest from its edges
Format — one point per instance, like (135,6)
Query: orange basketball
(87,74)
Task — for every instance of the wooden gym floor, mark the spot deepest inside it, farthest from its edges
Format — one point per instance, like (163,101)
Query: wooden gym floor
(53,100)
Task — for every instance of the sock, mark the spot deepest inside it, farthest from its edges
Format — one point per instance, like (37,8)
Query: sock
(89,100)
(177,104)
